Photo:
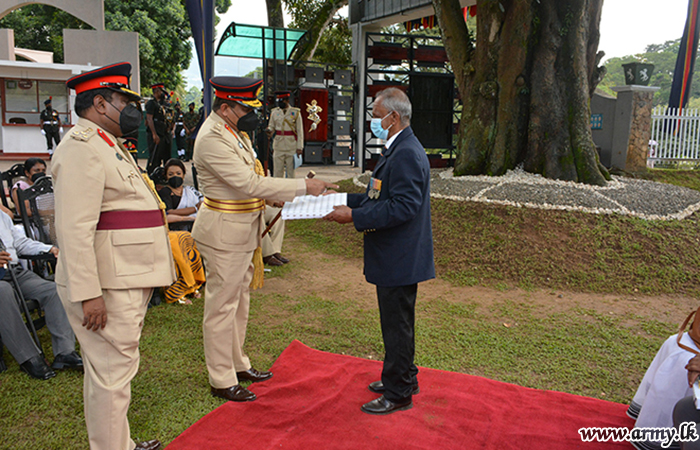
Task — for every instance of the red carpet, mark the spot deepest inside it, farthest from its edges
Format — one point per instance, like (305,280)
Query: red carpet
(313,402)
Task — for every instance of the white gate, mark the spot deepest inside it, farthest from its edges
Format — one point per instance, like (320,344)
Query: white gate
(675,138)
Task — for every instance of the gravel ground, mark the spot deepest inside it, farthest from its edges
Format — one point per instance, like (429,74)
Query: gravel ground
(645,199)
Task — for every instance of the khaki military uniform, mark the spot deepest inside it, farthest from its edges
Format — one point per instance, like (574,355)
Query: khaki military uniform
(228,229)
(93,173)
(289,128)
(272,242)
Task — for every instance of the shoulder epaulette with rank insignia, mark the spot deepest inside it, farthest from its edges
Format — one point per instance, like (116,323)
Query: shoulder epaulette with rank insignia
(218,127)
(83,135)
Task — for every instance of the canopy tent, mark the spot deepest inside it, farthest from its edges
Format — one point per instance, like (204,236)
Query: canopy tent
(253,41)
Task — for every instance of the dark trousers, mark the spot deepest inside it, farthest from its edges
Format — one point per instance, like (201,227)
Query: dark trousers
(51,136)
(397,310)
(158,154)
(12,328)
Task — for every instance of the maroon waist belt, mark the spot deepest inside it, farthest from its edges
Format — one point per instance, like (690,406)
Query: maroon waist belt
(126,220)
(286,133)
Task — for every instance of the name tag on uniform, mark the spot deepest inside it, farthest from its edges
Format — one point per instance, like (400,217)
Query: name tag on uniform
(375,188)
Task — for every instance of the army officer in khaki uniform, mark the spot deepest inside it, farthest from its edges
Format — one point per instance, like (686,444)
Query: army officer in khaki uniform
(114,248)
(288,128)
(229,226)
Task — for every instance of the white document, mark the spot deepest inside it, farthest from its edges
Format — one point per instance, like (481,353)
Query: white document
(696,393)
(310,207)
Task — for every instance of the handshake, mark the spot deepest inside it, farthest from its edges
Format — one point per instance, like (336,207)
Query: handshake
(317,187)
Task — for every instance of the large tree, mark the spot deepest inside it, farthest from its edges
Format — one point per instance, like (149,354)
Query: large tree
(163,27)
(526,81)
(275,16)
(318,17)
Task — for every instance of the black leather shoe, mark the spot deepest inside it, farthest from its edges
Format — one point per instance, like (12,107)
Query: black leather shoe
(253,375)
(281,258)
(378,387)
(68,361)
(272,261)
(384,406)
(36,367)
(234,393)
(149,445)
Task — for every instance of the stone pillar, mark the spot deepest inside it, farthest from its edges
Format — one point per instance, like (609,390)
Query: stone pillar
(7,45)
(359,59)
(630,145)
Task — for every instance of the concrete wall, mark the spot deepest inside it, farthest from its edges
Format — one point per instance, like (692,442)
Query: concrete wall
(91,12)
(604,105)
(100,48)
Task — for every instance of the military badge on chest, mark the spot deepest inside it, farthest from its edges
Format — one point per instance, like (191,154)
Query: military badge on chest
(375,188)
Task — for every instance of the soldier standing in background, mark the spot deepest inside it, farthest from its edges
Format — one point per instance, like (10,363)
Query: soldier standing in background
(288,129)
(50,125)
(157,129)
(180,133)
(191,120)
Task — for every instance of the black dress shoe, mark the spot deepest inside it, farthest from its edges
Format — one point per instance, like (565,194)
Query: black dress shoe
(36,367)
(149,445)
(68,361)
(281,258)
(253,375)
(384,406)
(272,261)
(378,387)
(234,393)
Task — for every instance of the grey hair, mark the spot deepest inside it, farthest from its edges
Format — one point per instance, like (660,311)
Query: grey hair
(395,99)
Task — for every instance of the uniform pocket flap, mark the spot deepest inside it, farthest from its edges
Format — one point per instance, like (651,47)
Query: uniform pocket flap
(133,236)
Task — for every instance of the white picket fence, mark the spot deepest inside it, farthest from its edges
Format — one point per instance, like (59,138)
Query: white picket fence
(675,138)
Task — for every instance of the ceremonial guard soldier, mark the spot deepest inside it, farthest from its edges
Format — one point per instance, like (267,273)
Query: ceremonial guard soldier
(157,131)
(229,226)
(114,248)
(50,125)
(287,127)
(191,120)
(180,133)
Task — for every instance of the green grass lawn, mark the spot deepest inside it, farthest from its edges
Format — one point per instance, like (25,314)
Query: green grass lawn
(576,350)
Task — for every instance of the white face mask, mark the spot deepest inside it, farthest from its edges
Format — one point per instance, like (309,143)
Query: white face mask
(376,126)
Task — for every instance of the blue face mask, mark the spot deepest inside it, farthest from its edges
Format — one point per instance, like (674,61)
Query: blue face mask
(376,126)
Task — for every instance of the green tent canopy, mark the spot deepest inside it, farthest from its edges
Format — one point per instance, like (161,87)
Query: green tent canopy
(253,41)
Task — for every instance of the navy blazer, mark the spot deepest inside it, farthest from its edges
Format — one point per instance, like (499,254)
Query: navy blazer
(398,234)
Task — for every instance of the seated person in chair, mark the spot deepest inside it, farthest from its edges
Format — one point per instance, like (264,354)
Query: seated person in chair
(13,330)
(181,202)
(34,168)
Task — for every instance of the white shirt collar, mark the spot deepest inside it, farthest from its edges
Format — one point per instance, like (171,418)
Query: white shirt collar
(392,139)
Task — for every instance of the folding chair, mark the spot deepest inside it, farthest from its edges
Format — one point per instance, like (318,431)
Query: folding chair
(40,224)
(6,179)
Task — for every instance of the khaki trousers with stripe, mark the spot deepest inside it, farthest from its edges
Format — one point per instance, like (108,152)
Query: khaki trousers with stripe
(111,359)
(226,304)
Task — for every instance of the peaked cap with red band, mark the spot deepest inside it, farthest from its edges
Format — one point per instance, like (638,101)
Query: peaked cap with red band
(114,77)
(283,94)
(238,89)
(158,85)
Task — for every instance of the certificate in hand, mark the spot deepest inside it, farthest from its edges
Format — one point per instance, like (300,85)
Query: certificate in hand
(310,207)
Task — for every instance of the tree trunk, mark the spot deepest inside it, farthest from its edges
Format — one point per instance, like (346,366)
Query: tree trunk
(275,18)
(320,19)
(526,84)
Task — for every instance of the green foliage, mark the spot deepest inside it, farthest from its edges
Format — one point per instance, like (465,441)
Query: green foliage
(663,56)
(335,45)
(163,28)
(320,19)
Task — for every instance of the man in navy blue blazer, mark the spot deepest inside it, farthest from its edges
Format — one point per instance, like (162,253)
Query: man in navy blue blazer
(394,214)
